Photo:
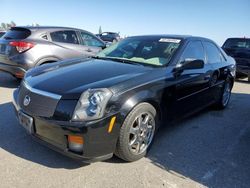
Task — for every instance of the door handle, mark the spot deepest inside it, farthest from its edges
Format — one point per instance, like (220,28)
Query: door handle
(89,50)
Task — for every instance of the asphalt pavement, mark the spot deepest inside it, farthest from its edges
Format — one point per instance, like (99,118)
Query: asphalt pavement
(209,149)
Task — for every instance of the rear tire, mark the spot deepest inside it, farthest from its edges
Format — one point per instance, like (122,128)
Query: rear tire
(136,133)
(225,95)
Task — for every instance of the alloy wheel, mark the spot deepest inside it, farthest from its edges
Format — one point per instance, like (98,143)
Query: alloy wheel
(141,133)
(226,93)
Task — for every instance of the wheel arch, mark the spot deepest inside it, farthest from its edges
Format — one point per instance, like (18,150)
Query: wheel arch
(46,60)
(145,96)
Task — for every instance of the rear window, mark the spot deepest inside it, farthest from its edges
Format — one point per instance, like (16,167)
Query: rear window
(237,43)
(17,33)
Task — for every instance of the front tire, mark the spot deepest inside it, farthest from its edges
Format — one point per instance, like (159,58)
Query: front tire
(136,133)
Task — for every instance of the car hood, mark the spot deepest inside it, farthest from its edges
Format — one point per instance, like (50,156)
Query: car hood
(70,78)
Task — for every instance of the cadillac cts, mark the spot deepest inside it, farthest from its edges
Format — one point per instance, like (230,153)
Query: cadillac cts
(92,108)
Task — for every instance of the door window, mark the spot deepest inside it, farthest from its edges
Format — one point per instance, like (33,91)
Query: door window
(193,51)
(89,40)
(65,37)
(213,53)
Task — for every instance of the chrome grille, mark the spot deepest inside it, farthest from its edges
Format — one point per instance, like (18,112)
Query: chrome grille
(41,103)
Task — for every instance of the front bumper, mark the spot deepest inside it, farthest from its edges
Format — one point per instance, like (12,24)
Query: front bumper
(99,144)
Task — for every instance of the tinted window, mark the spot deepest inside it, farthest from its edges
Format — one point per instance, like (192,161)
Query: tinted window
(89,40)
(213,53)
(64,36)
(237,43)
(17,33)
(193,51)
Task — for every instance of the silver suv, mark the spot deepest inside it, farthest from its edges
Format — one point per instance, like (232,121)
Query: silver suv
(22,48)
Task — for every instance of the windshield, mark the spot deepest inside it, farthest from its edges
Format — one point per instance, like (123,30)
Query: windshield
(157,51)
(237,43)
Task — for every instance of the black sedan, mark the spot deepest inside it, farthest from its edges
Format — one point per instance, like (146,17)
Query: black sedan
(92,108)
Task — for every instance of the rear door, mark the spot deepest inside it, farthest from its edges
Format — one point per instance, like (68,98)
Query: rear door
(219,67)
(91,45)
(66,44)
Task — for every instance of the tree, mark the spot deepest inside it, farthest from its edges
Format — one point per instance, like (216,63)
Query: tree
(3,26)
(100,29)
(13,24)
(35,24)
(6,26)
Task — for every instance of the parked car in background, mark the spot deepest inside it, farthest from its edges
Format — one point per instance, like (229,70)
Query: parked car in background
(2,33)
(109,36)
(22,48)
(239,49)
(113,103)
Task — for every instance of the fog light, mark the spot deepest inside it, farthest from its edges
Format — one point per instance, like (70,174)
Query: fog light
(75,143)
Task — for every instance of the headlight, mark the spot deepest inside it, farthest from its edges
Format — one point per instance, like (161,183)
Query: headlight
(92,104)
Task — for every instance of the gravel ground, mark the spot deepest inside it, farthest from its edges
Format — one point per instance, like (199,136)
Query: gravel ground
(209,149)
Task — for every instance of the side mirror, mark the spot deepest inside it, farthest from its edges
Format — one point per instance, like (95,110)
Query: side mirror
(191,64)
(188,64)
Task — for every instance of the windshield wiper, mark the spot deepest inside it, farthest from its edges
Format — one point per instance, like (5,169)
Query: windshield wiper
(120,60)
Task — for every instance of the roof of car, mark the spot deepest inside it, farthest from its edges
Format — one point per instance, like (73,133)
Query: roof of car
(47,28)
(238,38)
(170,36)
(109,32)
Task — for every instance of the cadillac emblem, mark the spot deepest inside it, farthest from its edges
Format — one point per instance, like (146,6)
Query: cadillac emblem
(26,100)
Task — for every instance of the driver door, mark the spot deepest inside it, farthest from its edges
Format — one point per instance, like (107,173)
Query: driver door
(191,89)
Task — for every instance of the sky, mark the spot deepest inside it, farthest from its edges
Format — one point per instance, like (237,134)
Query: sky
(214,19)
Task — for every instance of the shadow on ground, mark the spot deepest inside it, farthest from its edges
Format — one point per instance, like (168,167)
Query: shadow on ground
(211,147)
(242,80)
(15,140)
